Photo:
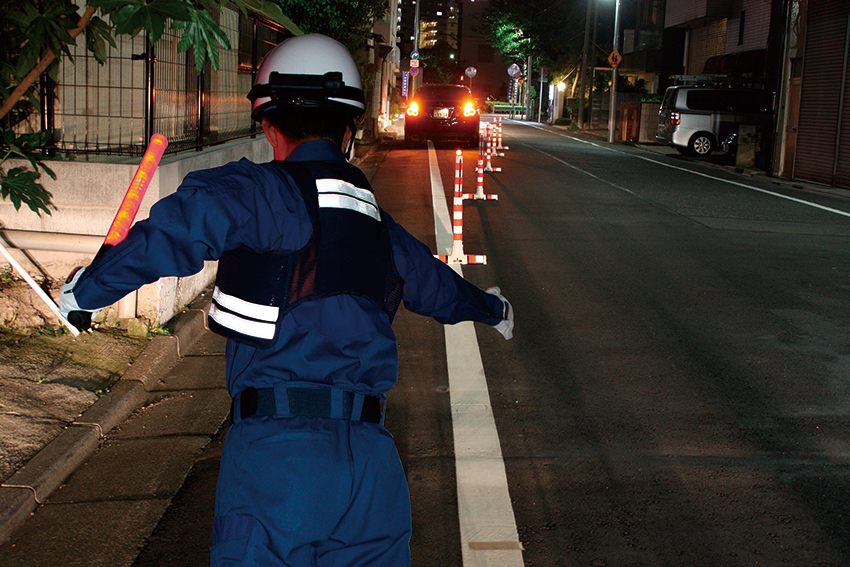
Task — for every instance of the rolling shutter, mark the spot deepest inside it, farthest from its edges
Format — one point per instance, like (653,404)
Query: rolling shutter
(823,142)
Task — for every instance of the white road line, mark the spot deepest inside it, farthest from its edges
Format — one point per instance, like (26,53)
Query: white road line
(488,532)
(700,174)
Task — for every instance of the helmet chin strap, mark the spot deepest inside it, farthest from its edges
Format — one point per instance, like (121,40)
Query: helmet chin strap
(349,151)
(348,141)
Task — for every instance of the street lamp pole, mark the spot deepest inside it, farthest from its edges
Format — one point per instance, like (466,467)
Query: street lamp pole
(612,110)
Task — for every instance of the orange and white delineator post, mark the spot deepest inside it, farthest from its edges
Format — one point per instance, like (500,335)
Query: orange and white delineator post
(489,161)
(497,137)
(458,256)
(479,170)
(499,145)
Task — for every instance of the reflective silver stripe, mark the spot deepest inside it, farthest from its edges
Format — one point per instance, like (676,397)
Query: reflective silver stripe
(242,326)
(253,310)
(338,194)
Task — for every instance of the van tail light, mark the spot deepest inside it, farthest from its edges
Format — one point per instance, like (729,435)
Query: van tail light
(675,117)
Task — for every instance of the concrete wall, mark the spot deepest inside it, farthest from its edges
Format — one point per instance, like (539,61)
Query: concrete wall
(87,195)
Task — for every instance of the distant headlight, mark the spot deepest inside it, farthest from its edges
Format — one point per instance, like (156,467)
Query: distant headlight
(469,109)
(413,109)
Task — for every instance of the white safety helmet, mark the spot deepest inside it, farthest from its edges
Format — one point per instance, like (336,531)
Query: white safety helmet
(308,71)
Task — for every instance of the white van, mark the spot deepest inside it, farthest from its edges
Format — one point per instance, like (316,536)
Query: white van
(696,120)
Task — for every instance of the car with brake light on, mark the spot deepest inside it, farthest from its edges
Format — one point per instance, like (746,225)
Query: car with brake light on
(442,113)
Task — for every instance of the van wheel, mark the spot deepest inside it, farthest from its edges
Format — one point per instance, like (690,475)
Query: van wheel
(702,144)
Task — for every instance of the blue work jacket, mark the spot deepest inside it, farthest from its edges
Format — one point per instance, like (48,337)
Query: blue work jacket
(343,341)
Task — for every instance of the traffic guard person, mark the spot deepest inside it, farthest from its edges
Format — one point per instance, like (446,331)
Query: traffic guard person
(311,272)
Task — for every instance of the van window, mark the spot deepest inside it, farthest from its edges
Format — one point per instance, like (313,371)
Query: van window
(720,100)
(669,97)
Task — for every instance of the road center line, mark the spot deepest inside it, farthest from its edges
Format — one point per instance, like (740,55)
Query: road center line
(707,176)
(488,532)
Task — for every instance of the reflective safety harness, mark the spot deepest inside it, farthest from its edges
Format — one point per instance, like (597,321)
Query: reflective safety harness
(349,252)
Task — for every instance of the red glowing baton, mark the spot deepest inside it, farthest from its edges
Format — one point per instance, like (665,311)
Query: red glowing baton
(135,193)
(127,211)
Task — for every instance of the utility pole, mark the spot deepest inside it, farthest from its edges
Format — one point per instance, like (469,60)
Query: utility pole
(582,84)
(413,80)
(528,91)
(612,110)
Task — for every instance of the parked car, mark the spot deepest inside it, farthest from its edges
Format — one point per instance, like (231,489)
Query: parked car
(696,120)
(442,112)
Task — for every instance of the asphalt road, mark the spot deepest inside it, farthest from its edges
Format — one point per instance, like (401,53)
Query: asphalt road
(676,390)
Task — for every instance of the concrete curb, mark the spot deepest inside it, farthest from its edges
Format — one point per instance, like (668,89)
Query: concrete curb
(24,491)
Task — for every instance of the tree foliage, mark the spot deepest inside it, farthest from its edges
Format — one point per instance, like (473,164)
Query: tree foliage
(439,64)
(347,21)
(36,35)
(550,31)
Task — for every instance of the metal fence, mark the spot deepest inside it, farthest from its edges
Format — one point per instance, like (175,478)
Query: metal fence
(114,108)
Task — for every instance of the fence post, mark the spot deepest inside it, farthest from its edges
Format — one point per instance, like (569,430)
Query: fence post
(48,111)
(201,111)
(149,91)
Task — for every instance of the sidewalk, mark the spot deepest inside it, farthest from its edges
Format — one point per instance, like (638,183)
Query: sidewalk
(59,442)
(717,160)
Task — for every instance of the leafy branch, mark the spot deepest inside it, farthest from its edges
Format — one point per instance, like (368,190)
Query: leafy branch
(38,33)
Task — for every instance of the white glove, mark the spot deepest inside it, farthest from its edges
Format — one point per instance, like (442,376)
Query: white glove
(68,303)
(506,327)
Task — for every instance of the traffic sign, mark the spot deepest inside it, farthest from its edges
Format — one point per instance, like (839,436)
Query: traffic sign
(414,55)
(414,63)
(615,59)
(414,71)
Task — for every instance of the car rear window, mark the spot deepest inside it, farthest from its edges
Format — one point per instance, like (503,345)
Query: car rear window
(441,92)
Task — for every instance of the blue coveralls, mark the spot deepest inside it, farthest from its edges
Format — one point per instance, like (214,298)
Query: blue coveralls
(295,490)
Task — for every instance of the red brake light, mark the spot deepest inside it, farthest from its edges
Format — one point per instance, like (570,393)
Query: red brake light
(413,109)
(675,118)
(468,109)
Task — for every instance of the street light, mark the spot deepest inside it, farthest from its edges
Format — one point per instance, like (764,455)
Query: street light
(612,112)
